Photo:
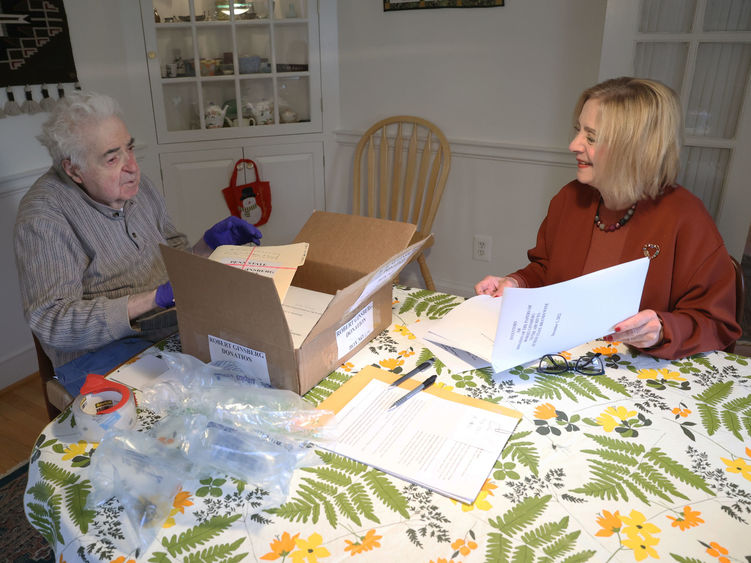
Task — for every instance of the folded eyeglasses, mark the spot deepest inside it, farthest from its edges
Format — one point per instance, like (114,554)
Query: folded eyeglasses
(554,364)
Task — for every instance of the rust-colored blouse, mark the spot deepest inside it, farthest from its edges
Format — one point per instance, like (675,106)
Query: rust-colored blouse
(690,283)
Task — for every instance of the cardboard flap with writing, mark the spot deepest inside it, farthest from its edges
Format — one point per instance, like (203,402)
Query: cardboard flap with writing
(223,298)
(353,296)
(359,243)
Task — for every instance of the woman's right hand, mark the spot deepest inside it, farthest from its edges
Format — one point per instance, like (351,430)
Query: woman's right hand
(493,285)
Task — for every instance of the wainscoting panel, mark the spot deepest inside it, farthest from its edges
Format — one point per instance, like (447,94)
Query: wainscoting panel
(17,354)
(494,189)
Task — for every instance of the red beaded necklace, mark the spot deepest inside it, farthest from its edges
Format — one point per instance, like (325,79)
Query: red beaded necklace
(618,224)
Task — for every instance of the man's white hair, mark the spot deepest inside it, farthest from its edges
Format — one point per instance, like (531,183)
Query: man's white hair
(63,132)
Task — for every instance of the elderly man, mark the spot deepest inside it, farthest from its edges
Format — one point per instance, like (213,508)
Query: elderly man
(87,236)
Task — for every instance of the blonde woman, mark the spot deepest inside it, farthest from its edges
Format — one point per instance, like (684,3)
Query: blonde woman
(625,204)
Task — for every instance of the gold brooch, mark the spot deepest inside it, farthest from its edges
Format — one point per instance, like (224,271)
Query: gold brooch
(651,250)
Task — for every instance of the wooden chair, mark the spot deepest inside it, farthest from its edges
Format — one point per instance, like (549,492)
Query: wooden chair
(403,163)
(55,395)
(740,296)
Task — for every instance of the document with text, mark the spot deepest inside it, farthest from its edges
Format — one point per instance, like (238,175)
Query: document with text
(302,309)
(277,262)
(438,439)
(527,323)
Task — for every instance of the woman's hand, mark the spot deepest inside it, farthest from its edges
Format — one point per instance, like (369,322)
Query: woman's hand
(493,285)
(643,330)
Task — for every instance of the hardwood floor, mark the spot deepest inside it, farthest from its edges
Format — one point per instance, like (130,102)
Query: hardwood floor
(23,416)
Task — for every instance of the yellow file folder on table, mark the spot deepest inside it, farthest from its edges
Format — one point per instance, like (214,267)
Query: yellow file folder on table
(439,439)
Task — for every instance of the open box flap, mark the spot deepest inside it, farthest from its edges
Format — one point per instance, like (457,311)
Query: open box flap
(356,242)
(351,297)
(223,299)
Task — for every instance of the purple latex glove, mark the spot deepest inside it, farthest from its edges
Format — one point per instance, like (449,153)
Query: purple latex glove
(231,230)
(164,296)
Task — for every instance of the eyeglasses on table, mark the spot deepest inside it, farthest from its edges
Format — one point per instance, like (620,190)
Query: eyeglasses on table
(554,364)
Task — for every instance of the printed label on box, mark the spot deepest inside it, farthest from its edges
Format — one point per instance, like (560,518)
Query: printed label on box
(355,331)
(249,360)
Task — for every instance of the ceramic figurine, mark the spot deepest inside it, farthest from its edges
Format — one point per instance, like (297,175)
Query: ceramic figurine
(214,116)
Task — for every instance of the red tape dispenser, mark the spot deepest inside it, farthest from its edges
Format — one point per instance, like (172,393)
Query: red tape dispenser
(102,405)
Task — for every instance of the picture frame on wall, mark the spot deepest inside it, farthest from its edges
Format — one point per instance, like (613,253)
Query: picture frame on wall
(391,5)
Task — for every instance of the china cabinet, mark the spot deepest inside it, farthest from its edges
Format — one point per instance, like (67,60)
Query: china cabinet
(222,69)
(232,80)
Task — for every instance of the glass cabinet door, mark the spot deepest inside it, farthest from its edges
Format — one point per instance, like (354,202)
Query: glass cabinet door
(223,69)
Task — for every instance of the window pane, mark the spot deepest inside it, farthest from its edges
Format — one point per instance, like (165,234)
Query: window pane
(181,106)
(661,61)
(727,15)
(717,92)
(672,16)
(703,173)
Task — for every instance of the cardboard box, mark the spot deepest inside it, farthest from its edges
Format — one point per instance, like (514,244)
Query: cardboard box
(224,312)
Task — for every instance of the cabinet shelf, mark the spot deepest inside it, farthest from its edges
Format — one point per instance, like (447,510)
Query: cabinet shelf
(259,75)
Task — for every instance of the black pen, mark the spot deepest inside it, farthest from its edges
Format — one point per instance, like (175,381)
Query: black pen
(425,365)
(424,385)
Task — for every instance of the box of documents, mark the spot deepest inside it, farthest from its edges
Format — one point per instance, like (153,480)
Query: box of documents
(338,300)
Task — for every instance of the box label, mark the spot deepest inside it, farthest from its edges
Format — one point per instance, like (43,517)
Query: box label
(355,331)
(251,361)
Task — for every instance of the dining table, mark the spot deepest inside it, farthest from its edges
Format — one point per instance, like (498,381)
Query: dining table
(650,460)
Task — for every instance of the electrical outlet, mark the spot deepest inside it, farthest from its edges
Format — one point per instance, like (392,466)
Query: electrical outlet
(481,248)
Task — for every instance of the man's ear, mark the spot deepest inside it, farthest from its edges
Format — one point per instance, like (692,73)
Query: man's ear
(72,171)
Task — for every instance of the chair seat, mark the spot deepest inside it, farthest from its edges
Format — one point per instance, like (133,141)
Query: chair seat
(57,395)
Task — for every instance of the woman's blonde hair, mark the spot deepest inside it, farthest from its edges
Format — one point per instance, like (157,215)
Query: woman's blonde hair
(640,128)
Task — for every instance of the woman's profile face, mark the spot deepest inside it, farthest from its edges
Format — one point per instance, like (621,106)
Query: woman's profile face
(589,154)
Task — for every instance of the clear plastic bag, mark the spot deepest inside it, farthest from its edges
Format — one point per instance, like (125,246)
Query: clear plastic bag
(143,475)
(215,420)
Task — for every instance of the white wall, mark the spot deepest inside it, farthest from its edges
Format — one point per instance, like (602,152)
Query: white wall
(501,84)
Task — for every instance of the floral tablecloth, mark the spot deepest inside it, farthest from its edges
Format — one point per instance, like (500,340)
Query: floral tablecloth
(650,461)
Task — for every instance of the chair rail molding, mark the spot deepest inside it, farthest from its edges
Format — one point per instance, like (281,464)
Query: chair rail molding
(489,150)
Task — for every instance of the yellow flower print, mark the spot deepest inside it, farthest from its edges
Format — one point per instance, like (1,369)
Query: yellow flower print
(545,411)
(442,560)
(738,466)
(612,416)
(348,366)
(444,386)
(566,355)
(481,502)
(404,331)
(407,353)
(683,413)
(716,550)
(391,363)
(75,449)
(120,559)
(366,543)
(642,546)
(610,524)
(182,499)
(662,373)
(637,525)
(689,519)
(465,548)
(281,547)
(309,550)
(605,350)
